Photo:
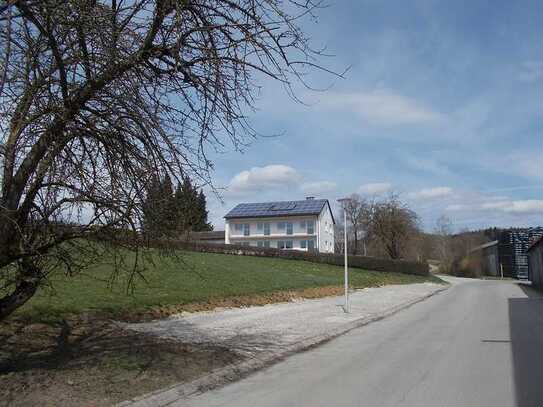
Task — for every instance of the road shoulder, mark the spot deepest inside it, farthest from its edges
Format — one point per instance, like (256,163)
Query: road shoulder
(266,335)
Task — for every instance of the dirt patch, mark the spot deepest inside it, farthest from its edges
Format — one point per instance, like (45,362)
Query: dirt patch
(85,360)
(93,363)
(230,302)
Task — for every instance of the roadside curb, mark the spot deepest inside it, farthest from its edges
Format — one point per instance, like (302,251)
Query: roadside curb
(167,396)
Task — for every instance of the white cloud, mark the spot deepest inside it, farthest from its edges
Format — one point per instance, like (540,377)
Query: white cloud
(319,187)
(259,178)
(513,207)
(375,188)
(522,207)
(431,193)
(531,71)
(381,107)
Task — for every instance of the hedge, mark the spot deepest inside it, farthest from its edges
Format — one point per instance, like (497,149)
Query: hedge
(367,263)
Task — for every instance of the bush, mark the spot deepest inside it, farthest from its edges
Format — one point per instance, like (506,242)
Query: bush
(469,266)
(367,263)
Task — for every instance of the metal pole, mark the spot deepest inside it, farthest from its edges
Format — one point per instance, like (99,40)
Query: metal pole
(347,307)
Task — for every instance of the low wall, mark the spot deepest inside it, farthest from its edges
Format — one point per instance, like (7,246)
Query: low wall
(367,263)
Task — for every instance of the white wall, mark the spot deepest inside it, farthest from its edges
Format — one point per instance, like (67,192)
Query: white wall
(234,236)
(326,231)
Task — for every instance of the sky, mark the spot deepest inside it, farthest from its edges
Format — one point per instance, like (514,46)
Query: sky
(442,104)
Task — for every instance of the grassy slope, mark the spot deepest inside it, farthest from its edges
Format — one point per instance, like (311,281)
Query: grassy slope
(195,278)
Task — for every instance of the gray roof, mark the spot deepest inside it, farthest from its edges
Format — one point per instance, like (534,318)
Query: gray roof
(211,235)
(274,209)
(484,246)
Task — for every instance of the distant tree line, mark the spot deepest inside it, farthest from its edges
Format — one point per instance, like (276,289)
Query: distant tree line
(384,227)
(168,213)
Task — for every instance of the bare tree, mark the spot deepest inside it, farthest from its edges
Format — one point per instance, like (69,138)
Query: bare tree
(98,97)
(393,225)
(358,211)
(443,238)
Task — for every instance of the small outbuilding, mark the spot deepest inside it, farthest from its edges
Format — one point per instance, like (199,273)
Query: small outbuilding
(488,258)
(535,263)
(211,237)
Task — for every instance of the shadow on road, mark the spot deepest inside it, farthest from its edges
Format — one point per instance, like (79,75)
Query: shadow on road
(526,326)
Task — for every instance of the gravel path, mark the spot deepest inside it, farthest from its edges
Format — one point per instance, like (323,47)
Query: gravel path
(267,334)
(274,327)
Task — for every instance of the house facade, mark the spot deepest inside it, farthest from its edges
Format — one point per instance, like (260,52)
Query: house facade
(291,225)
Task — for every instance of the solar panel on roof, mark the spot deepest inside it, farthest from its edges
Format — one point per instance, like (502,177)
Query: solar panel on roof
(283,206)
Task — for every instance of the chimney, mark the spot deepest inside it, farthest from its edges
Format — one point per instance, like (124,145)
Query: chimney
(309,198)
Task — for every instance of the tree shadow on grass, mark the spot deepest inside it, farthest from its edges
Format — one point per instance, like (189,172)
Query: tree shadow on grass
(70,345)
(526,329)
(76,363)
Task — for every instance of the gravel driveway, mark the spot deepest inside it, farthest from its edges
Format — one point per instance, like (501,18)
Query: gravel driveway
(266,334)
(274,327)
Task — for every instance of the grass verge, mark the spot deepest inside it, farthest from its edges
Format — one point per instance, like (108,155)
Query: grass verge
(193,278)
(60,348)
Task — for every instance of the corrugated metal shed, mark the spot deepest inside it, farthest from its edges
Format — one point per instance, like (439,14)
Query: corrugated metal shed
(276,209)
(535,262)
(489,258)
(515,245)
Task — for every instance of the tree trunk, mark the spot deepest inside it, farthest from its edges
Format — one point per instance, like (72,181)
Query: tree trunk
(23,291)
(355,242)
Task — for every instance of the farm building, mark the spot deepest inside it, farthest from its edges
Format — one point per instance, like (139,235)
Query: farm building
(535,262)
(507,254)
(513,249)
(488,255)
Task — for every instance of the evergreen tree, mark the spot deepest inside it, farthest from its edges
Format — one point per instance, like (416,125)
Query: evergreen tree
(151,208)
(168,217)
(202,223)
(169,213)
(191,208)
(159,218)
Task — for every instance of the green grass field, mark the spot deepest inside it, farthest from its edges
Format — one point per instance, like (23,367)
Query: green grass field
(194,277)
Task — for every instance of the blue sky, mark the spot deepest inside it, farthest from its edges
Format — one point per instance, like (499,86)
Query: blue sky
(443,105)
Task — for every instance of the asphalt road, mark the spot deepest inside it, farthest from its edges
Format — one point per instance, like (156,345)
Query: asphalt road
(480,343)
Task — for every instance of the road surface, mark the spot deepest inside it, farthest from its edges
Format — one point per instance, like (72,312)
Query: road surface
(480,343)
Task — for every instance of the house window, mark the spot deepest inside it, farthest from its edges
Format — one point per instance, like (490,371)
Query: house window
(303,244)
(289,244)
(260,243)
(246,229)
(311,244)
(281,244)
(281,225)
(267,243)
(238,227)
(310,227)
(266,229)
(289,228)
(259,226)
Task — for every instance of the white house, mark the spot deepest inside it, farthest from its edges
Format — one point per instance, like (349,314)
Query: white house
(299,225)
